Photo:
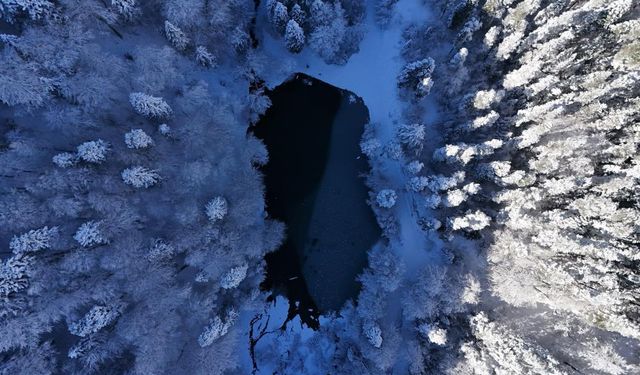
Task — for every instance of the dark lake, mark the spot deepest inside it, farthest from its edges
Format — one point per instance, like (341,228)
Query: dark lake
(314,185)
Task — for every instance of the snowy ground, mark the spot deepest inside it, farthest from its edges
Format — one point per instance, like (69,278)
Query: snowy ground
(370,73)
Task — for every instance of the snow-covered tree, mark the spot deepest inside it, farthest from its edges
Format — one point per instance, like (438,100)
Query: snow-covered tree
(412,135)
(602,357)
(137,138)
(127,8)
(176,36)
(386,198)
(370,147)
(33,240)
(149,106)
(416,76)
(414,167)
(83,347)
(320,13)
(259,102)
(499,350)
(95,319)
(93,151)
(234,277)
(465,34)
(331,35)
(491,36)
(216,209)
(65,159)
(418,183)
(280,17)
(454,198)
(384,11)
(90,234)
(161,250)
(434,334)
(140,177)
(484,121)
(471,221)
(472,188)
(440,183)
(484,99)
(298,14)
(373,333)
(393,150)
(385,270)
(36,9)
(459,58)
(217,328)
(432,201)
(164,129)
(204,57)
(14,277)
(294,37)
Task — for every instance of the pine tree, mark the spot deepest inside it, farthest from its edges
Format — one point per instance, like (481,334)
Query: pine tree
(36,9)
(93,151)
(298,14)
(484,99)
(320,13)
(204,57)
(137,139)
(294,37)
(90,234)
(414,167)
(416,76)
(234,277)
(160,251)
(386,198)
(176,36)
(471,221)
(216,209)
(384,11)
(331,36)
(433,333)
(373,333)
(127,8)
(279,17)
(217,328)
(418,183)
(454,198)
(140,177)
(14,278)
(34,240)
(502,351)
(65,159)
(164,129)
(412,135)
(96,319)
(149,106)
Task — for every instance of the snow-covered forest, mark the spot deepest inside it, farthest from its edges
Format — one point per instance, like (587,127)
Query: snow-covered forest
(504,176)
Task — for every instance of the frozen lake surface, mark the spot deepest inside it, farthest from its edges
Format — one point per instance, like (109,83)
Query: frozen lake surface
(314,184)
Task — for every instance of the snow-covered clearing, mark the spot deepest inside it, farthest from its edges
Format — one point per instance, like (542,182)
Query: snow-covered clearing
(370,73)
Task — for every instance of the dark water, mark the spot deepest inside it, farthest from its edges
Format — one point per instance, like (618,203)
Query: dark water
(314,185)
